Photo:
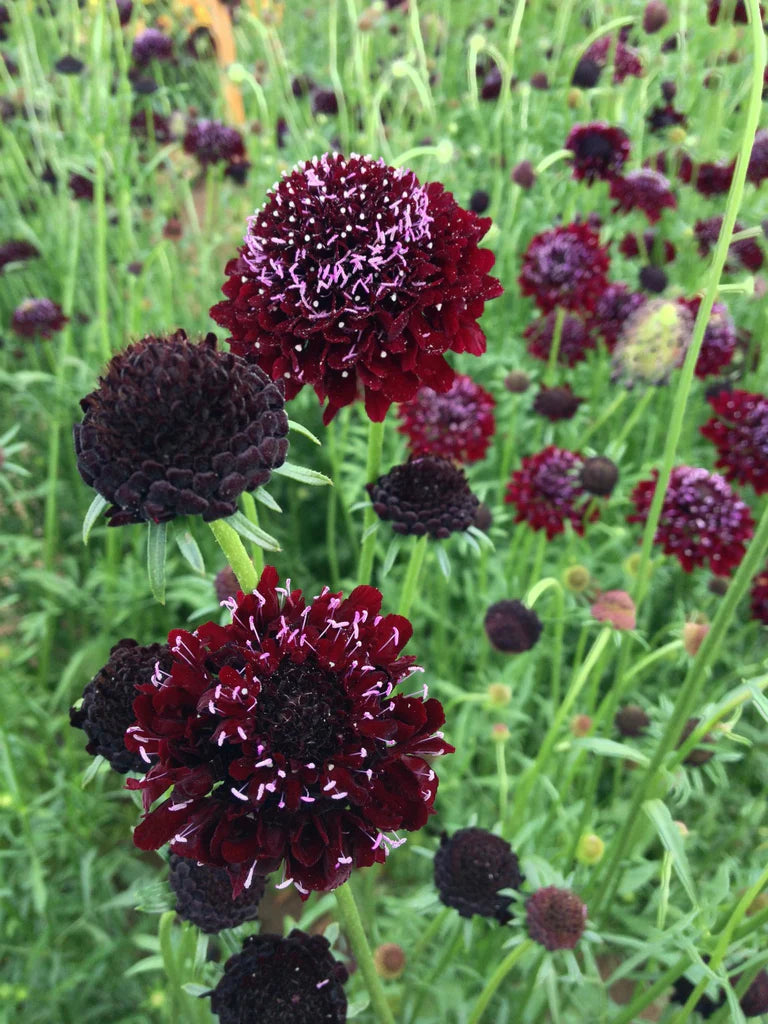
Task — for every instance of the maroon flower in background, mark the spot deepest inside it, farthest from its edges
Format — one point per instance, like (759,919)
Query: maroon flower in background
(702,520)
(745,253)
(739,431)
(575,338)
(38,317)
(546,489)
(458,424)
(555,918)
(757,169)
(151,44)
(713,178)
(645,190)
(565,266)
(283,741)
(204,896)
(661,252)
(511,627)
(17,250)
(427,494)
(665,117)
(758,596)
(355,279)
(471,866)
(558,403)
(626,61)
(612,309)
(720,337)
(143,123)
(599,150)
(213,142)
(739,11)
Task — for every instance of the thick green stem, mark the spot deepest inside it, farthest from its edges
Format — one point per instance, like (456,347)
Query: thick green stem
(372,467)
(497,977)
(353,926)
(418,551)
(230,543)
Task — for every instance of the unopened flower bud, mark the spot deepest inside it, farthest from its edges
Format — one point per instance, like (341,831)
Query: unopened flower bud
(599,475)
(693,636)
(500,732)
(655,16)
(574,97)
(682,829)
(499,695)
(631,720)
(616,607)
(576,578)
(389,960)
(590,849)
(581,725)
(517,382)
(523,174)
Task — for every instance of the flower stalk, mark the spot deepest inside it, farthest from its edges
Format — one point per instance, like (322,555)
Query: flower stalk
(353,927)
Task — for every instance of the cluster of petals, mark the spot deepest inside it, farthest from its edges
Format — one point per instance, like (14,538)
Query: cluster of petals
(643,189)
(547,492)
(626,61)
(709,178)
(702,521)
(599,150)
(283,741)
(745,253)
(566,267)
(457,424)
(356,279)
(739,431)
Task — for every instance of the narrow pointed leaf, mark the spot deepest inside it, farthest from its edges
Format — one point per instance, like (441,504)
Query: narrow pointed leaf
(303,475)
(301,429)
(156,545)
(255,534)
(266,499)
(95,509)
(189,548)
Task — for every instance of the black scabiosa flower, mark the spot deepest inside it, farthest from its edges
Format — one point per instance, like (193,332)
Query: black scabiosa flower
(204,896)
(547,493)
(612,309)
(587,73)
(427,494)
(325,101)
(81,187)
(599,476)
(458,424)
(599,150)
(511,627)
(38,318)
(575,338)
(479,201)
(124,11)
(283,741)
(16,250)
(653,279)
(565,266)
(645,190)
(713,178)
(739,431)
(754,1002)
(558,403)
(471,866)
(667,116)
(655,16)
(355,279)
(107,707)
(213,142)
(555,918)
(177,428)
(149,45)
(631,720)
(69,65)
(282,981)
(702,520)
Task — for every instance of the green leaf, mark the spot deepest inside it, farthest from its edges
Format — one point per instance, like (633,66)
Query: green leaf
(672,840)
(95,509)
(759,700)
(193,989)
(304,476)
(442,560)
(266,499)
(255,534)
(156,543)
(93,769)
(149,963)
(610,748)
(390,557)
(188,547)
(301,429)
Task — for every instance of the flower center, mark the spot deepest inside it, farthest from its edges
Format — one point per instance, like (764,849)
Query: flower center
(596,147)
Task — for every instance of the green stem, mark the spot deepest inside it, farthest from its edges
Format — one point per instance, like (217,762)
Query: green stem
(501,772)
(497,977)
(554,348)
(353,926)
(372,467)
(435,974)
(230,543)
(418,551)
(550,583)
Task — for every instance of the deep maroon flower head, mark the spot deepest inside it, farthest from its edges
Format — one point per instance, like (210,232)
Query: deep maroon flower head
(458,424)
(653,279)
(556,918)
(517,382)
(511,627)
(655,16)
(586,74)
(739,11)
(758,596)
(547,493)
(599,476)
(565,266)
(17,250)
(479,201)
(225,584)
(720,338)
(599,150)
(124,10)
(355,279)
(204,896)
(325,101)
(38,318)
(107,708)
(626,61)
(177,428)
(144,123)
(713,178)
(644,190)
(739,431)
(631,720)
(427,494)
(612,309)
(81,187)
(662,251)
(213,142)
(558,403)
(665,117)
(151,44)
(702,521)
(754,1002)
(745,253)
(283,741)
(5,19)
(524,174)
(575,338)
(282,981)
(69,65)
(757,169)
(490,88)
(471,866)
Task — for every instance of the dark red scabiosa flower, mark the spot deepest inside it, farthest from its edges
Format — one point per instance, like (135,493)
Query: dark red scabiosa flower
(427,494)
(644,190)
(283,742)
(547,493)
(558,403)
(665,117)
(575,338)
(38,318)
(178,428)
(757,169)
(81,187)
(720,338)
(705,1005)
(458,424)
(713,178)
(626,61)
(739,11)
(324,101)
(655,16)
(758,596)
(702,521)
(599,150)
(524,174)
(511,627)
(745,253)
(739,431)
(124,11)
(204,896)
(145,124)
(653,279)
(213,142)
(565,266)
(587,73)
(556,918)
(517,382)
(471,866)
(612,309)
(631,720)
(149,45)
(599,475)
(107,707)
(16,251)
(661,251)
(490,88)
(355,279)
(282,981)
